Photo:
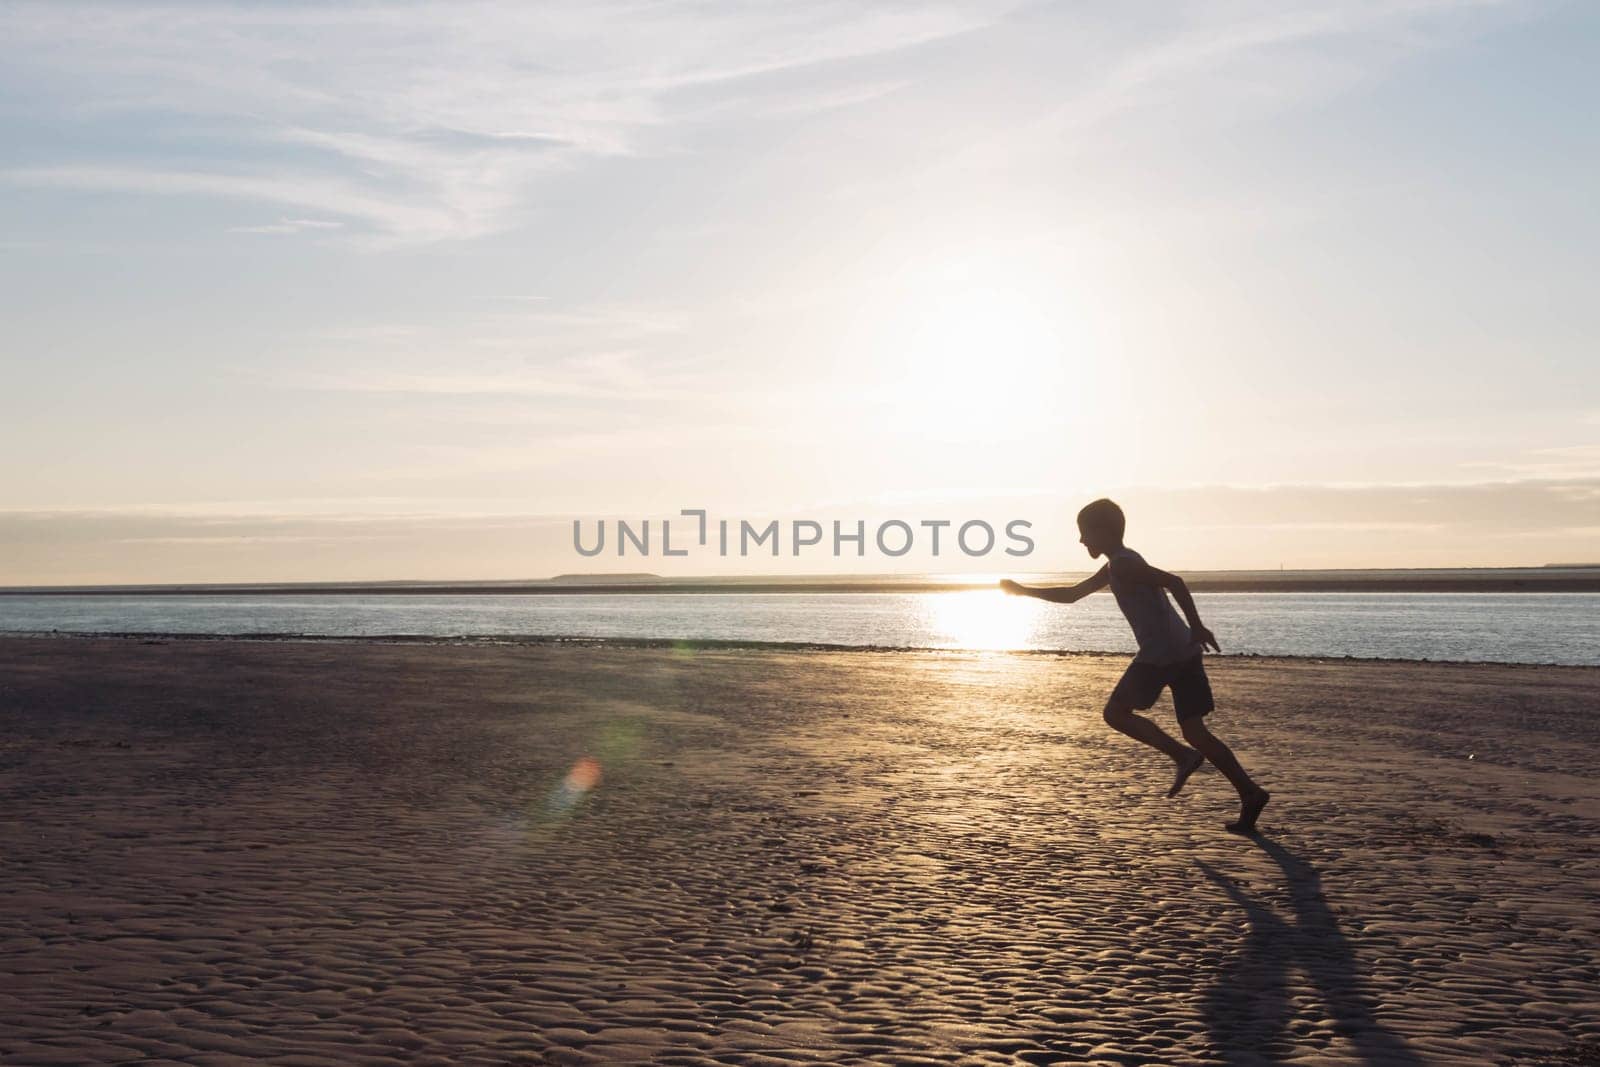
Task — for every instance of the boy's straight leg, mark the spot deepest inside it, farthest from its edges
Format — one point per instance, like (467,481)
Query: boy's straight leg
(1252,798)
(1221,756)
(1122,719)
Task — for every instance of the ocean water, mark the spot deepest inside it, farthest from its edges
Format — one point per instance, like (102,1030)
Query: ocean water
(1490,627)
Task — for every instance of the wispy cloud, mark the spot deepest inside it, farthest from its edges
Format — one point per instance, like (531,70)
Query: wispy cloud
(448,384)
(1498,506)
(1187,66)
(1199,47)
(430,120)
(517,348)
(1564,462)
(394,215)
(289,226)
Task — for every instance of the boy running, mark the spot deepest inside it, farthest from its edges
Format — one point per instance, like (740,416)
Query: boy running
(1169,656)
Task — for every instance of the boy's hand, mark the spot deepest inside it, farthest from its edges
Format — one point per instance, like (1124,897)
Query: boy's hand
(1008,586)
(1206,638)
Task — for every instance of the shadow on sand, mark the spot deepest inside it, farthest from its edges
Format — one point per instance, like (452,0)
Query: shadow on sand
(1248,1010)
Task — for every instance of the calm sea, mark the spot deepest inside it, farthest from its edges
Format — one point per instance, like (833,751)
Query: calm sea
(1500,627)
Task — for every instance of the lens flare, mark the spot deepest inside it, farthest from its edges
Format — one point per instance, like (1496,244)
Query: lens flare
(578,783)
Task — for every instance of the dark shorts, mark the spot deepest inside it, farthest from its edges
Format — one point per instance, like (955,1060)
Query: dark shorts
(1143,682)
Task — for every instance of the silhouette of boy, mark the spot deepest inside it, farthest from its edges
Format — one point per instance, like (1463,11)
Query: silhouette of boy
(1169,656)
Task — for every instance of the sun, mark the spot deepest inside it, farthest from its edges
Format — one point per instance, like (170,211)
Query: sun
(974,352)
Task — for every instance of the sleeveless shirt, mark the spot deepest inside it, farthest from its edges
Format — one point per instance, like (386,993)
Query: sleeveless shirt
(1162,634)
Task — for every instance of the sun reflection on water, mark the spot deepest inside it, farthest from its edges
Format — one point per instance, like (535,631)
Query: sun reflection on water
(983,619)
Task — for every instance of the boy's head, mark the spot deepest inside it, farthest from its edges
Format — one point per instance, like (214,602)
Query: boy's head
(1101,525)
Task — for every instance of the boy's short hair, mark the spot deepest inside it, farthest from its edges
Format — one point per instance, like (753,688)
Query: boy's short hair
(1104,515)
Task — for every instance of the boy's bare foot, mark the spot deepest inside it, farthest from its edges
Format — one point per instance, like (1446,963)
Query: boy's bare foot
(1186,766)
(1249,811)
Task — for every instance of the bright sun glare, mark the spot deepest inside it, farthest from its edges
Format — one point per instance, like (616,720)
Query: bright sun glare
(986,618)
(975,349)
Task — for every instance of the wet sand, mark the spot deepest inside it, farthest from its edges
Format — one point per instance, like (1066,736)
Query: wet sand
(359,852)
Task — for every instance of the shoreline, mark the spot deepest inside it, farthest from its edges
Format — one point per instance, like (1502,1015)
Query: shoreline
(728,645)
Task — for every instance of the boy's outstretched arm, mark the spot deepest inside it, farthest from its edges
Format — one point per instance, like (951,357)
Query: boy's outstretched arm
(1061,594)
(1137,571)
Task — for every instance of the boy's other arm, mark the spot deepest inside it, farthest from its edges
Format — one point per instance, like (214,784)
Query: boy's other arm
(1135,571)
(1061,594)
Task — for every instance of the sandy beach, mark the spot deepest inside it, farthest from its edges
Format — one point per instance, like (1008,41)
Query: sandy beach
(342,853)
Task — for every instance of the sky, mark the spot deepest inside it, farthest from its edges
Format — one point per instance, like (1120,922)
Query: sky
(297,291)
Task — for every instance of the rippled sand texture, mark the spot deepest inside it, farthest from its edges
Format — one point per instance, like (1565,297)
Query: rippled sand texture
(349,853)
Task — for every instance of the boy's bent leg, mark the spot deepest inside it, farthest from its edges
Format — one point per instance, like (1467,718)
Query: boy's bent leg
(1121,718)
(1186,766)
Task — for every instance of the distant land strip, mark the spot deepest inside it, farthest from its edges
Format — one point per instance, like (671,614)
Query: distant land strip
(1530,580)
